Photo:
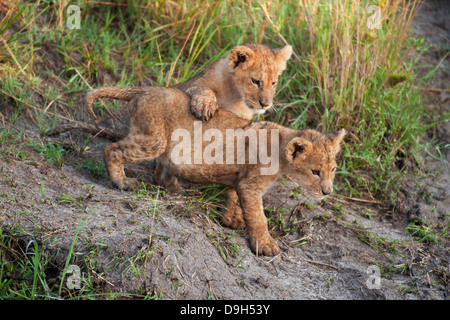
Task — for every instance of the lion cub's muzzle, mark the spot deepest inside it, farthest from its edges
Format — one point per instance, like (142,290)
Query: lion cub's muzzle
(261,108)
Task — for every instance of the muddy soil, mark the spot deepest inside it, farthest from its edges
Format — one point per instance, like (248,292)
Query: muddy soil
(174,247)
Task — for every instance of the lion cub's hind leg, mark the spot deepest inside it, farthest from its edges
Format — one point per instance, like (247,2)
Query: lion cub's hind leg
(166,179)
(132,149)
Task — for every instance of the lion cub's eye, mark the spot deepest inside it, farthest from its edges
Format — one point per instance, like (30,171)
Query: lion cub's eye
(274,84)
(316,172)
(256,82)
(333,170)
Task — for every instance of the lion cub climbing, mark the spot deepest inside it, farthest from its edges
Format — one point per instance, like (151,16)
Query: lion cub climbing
(227,150)
(248,74)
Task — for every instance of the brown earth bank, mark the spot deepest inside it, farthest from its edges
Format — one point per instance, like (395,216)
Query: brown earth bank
(172,246)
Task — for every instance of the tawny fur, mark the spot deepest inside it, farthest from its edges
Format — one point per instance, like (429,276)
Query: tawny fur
(228,81)
(233,78)
(155,113)
(228,84)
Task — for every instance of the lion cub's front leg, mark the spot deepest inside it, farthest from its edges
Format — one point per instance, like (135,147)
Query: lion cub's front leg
(250,197)
(232,216)
(203,102)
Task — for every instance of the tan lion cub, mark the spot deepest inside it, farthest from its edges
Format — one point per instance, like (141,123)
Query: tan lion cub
(227,150)
(249,74)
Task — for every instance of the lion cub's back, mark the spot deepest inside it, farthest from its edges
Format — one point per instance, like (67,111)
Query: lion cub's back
(160,101)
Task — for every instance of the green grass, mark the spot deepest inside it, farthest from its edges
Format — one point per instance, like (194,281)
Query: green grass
(26,270)
(383,245)
(228,247)
(420,231)
(95,169)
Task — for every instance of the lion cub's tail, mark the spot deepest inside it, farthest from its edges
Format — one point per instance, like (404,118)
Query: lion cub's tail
(125,94)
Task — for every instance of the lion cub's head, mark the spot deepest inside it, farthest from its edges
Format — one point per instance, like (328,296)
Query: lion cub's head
(312,159)
(256,69)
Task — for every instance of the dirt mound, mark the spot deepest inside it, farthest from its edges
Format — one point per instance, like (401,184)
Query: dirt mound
(165,244)
(172,246)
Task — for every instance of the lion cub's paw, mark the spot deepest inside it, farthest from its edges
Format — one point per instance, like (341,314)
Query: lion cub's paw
(173,186)
(233,219)
(204,105)
(127,184)
(266,246)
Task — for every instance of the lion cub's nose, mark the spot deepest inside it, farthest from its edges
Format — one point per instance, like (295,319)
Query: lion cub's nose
(263,104)
(325,192)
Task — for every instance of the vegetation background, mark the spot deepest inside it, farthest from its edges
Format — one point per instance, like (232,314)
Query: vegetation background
(353,67)
(356,66)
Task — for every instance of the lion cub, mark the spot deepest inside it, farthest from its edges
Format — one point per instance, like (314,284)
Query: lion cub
(249,74)
(226,150)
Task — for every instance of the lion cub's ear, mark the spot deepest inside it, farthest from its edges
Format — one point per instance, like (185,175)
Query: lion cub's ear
(242,57)
(297,148)
(282,56)
(336,138)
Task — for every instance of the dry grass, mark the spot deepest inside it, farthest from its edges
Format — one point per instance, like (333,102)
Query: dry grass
(347,50)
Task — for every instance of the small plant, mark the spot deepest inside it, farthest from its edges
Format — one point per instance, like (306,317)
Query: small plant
(382,245)
(390,270)
(95,169)
(408,288)
(28,263)
(421,230)
(53,152)
(10,142)
(227,246)
(276,218)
